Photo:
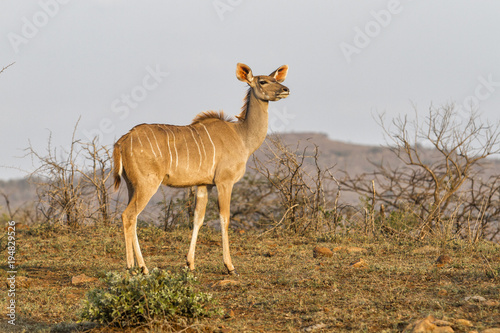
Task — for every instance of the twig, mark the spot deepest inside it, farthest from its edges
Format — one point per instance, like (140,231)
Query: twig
(6,67)
(281,221)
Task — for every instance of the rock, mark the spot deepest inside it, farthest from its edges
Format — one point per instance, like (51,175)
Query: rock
(442,292)
(464,322)
(443,260)
(319,251)
(230,314)
(491,330)
(82,278)
(424,325)
(314,327)
(492,303)
(475,299)
(431,325)
(354,249)
(360,263)
(439,322)
(225,283)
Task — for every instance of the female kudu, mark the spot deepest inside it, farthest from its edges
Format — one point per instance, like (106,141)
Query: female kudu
(213,150)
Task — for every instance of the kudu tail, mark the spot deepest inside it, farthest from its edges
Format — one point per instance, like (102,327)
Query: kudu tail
(118,166)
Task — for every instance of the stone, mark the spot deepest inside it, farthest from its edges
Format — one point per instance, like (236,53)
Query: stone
(360,263)
(424,325)
(475,299)
(443,260)
(319,251)
(225,283)
(491,330)
(431,325)
(230,314)
(354,249)
(314,327)
(464,322)
(442,292)
(82,278)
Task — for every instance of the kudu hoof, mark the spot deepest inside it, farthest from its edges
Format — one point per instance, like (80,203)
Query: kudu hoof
(233,272)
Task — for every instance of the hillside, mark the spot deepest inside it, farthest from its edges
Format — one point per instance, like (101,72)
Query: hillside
(342,156)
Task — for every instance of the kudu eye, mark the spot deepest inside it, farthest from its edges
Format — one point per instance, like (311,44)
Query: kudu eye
(262,82)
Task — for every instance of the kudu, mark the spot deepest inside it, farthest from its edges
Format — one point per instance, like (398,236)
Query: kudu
(213,150)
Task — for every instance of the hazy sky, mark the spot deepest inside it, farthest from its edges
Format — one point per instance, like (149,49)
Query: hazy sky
(116,64)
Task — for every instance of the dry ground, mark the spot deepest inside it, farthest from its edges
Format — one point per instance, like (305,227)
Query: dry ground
(281,286)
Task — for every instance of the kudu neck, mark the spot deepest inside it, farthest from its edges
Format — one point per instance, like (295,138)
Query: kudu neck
(254,126)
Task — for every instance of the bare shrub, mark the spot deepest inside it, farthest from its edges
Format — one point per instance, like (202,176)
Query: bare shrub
(59,189)
(435,183)
(176,208)
(73,185)
(96,177)
(298,180)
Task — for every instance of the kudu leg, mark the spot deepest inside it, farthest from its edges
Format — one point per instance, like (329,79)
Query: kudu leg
(137,203)
(224,205)
(199,215)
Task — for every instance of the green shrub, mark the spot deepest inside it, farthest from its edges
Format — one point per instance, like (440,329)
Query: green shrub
(130,300)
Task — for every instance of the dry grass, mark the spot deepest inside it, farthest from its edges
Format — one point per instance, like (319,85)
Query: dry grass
(281,287)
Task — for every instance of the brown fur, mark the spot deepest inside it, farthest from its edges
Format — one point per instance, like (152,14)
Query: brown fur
(117,168)
(243,114)
(212,115)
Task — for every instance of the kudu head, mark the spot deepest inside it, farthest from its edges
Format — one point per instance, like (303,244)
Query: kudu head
(265,87)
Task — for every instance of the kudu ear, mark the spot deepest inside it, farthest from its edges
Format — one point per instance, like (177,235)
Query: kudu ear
(280,73)
(244,73)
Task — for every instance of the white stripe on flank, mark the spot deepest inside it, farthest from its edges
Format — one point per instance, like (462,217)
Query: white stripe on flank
(213,146)
(176,153)
(187,152)
(197,145)
(140,141)
(147,137)
(164,128)
(201,140)
(131,151)
(159,150)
